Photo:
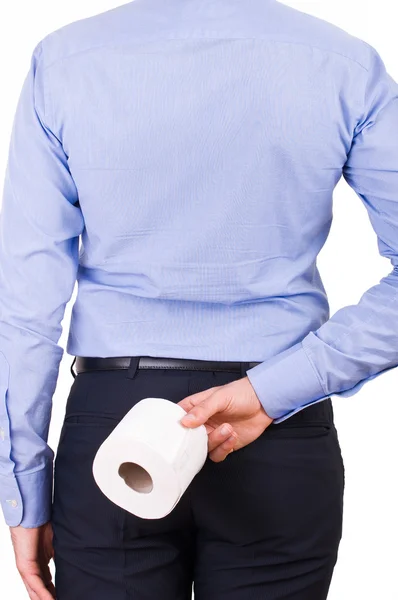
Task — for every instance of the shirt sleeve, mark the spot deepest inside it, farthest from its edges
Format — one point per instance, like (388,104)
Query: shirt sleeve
(40,224)
(359,342)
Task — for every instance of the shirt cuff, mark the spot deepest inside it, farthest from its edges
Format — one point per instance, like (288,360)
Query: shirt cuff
(286,383)
(26,499)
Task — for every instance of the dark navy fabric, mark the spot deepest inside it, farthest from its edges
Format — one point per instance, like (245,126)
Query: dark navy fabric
(265,524)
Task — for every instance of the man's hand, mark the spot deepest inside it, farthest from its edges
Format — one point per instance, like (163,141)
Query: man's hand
(33,550)
(235,407)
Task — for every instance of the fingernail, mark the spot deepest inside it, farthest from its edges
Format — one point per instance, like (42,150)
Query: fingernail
(225,430)
(188,418)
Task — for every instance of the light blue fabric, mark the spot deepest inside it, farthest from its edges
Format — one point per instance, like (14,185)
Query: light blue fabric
(203,140)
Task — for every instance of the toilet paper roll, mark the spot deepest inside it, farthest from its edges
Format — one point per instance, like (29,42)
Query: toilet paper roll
(150,458)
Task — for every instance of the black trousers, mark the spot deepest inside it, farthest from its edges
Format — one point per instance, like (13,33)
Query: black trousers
(265,524)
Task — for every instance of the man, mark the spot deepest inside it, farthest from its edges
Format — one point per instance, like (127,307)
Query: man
(194,145)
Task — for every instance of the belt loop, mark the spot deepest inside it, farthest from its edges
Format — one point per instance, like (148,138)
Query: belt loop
(244,366)
(329,405)
(134,360)
(71,368)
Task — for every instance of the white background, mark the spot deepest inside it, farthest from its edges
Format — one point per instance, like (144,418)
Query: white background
(349,264)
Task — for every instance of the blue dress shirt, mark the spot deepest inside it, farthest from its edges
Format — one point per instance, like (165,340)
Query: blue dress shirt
(193,147)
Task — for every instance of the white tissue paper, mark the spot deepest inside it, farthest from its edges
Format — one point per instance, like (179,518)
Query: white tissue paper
(150,458)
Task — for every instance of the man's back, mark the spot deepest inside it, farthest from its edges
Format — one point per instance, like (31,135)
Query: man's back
(205,140)
(195,146)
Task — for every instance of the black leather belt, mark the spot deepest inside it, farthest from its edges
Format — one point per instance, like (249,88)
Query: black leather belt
(91,363)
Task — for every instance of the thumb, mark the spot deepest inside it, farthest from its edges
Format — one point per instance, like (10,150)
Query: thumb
(203,411)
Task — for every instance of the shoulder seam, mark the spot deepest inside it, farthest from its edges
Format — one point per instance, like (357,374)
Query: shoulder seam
(43,115)
(165,39)
(324,50)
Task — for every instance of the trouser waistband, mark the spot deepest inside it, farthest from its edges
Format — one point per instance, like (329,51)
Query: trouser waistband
(321,412)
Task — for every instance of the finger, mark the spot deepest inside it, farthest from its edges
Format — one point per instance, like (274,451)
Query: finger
(219,436)
(221,452)
(190,401)
(209,428)
(200,413)
(31,593)
(51,588)
(47,580)
(37,586)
